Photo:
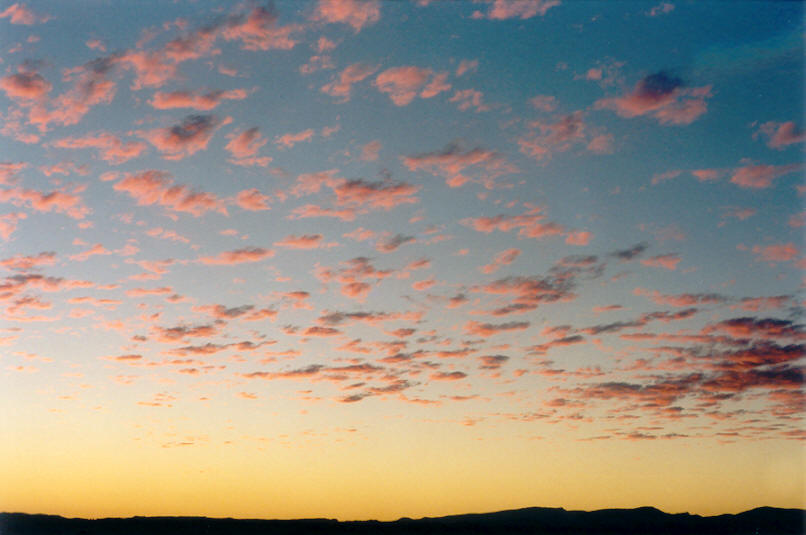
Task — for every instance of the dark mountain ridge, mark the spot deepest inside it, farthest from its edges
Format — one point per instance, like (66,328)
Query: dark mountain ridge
(536,520)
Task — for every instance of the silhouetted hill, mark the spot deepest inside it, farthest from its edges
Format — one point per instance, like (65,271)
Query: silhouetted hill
(537,520)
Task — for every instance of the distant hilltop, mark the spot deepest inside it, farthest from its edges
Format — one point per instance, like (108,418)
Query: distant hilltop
(536,520)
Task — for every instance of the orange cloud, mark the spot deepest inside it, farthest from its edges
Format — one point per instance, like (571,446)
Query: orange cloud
(238,256)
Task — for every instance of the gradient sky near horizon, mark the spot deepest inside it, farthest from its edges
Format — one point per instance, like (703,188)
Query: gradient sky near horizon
(379,259)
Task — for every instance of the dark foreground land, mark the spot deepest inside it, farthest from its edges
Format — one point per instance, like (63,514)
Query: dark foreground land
(537,520)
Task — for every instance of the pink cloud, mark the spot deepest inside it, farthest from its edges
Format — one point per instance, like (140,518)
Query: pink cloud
(342,86)
(369,152)
(782,252)
(289,140)
(663,177)
(601,144)
(190,99)
(466,66)
(663,97)
(510,9)
(761,176)
(451,162)
(19,14)
(110,147)
(489,329)
(156,187)
(152,69)
(706,175)
(238,256)
(244,146)
(781,135)
(9,222)
(141,292)
(9,170)
(259,31)
(661,9)
(680,300)
(403,84)
(307,241)
(96,249)
(25,86)
(503,258)
(27,263)
(67,202)
(384,195)
(92,87)
(186,138)
(578,237)
(545,103)
(560,136)
(530,224)
(666,261)
(312,210)
(252,200)
(469,98)
(353,12)
(392,243)
(352,277)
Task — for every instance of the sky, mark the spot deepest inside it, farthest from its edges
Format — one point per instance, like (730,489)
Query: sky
(372,259)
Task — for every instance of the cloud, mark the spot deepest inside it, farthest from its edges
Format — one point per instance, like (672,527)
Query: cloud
(680,300)
(9,170)
(392,243)
(384,195)
(289,140)
(403,84)
(661,9)
(252,200)
(20,14)
(91,87)
(779,252)
(313,210)
(469,98)
(9,222)
(238,256)
(155,187)
(25,86)
(307,241)
(490,329)
(259,31)
(342,85)
(545,103)
(452,161)
(190,99)
(110,147)
(663,97)
(186,138)
(353,12)
(781,135)
(65,201)
(466,66)
(633,252)
(579,237)
(503,258)
(530,224)
(753,176)
(369,152)
(353,275)
(665,261)
(750,327)
(447,376)
(521,9)
(244,146)
(27,263)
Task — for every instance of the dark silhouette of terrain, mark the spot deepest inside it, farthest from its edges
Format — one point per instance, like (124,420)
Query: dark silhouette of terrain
(537,520)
